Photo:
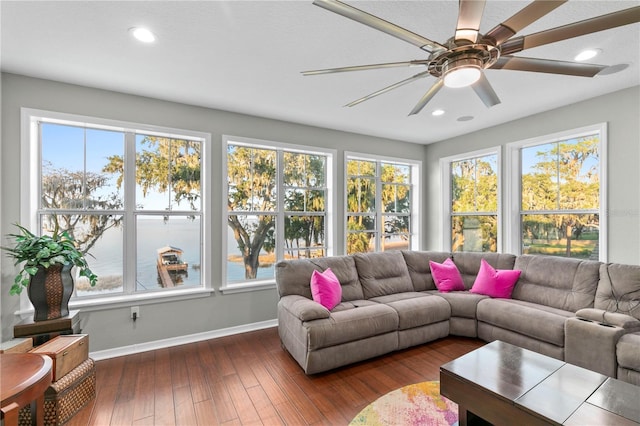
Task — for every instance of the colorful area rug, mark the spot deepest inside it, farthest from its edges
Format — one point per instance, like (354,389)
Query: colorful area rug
(418,404)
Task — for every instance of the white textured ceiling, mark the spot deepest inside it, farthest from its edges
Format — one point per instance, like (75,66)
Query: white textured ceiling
(246,56)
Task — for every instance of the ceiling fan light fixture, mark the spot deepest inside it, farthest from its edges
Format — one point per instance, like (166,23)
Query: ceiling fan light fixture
(462,76)
(587,54)
(462,72)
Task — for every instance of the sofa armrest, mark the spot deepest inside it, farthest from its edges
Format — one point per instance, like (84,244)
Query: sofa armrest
(302,308)
(627,322)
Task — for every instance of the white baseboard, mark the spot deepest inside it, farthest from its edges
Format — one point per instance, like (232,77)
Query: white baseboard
(181,340)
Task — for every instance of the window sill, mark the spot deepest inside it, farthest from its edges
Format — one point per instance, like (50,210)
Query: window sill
(112,302)
(248,286)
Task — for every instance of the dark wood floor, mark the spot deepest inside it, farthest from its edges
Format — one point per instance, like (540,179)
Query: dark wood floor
(249,379)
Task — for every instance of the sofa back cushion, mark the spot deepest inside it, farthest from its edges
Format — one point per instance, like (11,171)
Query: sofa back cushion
(294,276)
(469,264)
(418,267)
(619,289)
(382,273)
(559,282)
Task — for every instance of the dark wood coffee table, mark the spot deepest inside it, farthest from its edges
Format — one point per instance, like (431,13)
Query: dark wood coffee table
(504,385)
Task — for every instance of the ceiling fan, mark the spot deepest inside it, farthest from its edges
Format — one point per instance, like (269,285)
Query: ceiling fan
(460,61)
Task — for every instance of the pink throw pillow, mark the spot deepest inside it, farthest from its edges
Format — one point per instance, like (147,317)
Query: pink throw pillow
(325,288)
(495,282)
(446,276)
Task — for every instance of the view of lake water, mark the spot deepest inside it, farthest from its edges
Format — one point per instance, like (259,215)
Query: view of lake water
(152,234)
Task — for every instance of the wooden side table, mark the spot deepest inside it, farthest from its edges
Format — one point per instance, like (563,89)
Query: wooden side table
(25,378)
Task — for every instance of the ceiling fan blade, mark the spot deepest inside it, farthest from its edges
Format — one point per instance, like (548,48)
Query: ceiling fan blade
(469,17)
(588,26)
(522,19)
(427,96)
(389,88)
(379,24)
(485,92)
(367,67)
(518,63)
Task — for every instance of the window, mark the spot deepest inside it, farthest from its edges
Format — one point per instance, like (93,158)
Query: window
(130,195)
(279,203)
(560,194)
(381,204)
(471,201)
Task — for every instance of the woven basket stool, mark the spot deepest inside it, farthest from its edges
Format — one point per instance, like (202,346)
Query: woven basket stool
(67,396)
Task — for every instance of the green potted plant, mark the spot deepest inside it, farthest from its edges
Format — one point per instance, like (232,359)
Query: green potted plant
(46,270)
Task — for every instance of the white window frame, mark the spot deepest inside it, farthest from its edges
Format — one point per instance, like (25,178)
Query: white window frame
(29,202)
(330,202)
(445,179)
(416,196)
(514,171)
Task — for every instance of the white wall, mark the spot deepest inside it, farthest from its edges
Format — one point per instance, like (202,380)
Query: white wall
(621,110)
(113,328)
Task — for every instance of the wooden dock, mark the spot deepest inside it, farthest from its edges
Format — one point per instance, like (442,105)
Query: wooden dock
(165,277)
(170,259)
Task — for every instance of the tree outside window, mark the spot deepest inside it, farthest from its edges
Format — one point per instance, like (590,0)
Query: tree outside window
(379,198)
(276,208)
(560,197)
(474,204)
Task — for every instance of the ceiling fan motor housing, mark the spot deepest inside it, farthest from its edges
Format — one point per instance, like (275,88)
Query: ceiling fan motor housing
(480,56)
(462,62)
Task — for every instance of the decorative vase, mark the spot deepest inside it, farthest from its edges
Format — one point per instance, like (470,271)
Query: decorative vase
(49,292)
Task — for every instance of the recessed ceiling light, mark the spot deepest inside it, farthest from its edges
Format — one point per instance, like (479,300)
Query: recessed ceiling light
(587,54)
(465,118)
(143,34)
(437,112)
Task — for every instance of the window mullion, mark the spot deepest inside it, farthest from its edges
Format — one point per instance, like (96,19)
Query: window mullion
(279,204)
(558,175)
(379,225)
(129,222)
(84,170)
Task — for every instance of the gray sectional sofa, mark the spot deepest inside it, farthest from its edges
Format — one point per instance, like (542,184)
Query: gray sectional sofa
(583,312)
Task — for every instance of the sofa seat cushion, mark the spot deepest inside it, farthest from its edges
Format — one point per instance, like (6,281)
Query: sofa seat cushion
(343,306)
(350,325)
(398,296)
(628,351)
(417,309)
(463,303)
(536,321)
